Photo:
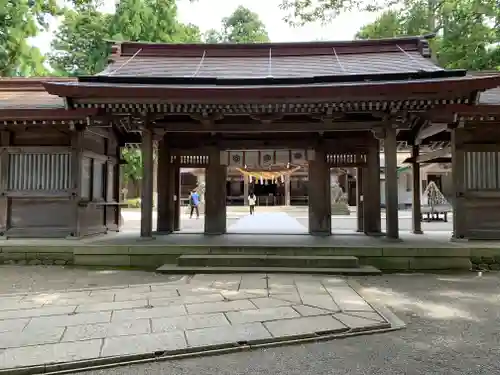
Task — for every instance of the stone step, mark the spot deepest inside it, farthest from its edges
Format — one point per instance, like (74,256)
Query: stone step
(360,271)
(249,260)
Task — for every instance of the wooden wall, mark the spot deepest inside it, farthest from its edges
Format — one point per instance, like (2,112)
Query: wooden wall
(36,192)
(99,210)
(476,175)
(57,183)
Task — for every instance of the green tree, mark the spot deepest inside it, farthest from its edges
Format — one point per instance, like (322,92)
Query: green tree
(80,46)
(162,24)
(132,170)
(19,21)
(242,26)
(466,31)
(213,36)
(131,21)
(305,11)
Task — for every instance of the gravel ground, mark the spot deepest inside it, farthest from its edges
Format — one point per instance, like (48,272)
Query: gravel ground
(452,319)
(452,329)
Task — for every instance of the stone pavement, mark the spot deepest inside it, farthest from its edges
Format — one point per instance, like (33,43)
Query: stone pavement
(267,222)
(237,218)
(188,314)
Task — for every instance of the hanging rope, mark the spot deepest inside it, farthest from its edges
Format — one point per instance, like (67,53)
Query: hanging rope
(268,175)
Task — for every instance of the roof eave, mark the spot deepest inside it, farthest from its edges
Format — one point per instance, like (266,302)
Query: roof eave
(380,90)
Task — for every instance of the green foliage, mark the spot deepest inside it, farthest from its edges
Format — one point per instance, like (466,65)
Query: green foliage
(300,12)
(243,26)
(467,30)
(80,45)
(133,203)
(19,21)
(213,36)
(132,170)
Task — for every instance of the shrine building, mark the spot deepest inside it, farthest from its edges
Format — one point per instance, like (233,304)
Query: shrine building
(314,106)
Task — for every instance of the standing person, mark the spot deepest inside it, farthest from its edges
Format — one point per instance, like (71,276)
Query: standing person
(252,199)
(194,202)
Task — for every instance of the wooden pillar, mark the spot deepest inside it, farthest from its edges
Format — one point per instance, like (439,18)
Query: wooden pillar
(371,183)
(118,186)
(245,190)
(359,199)
(76,180)
(177,194)
(416,204)
(458,176)
(215,193)
(164,223)
(320,208)
(287,190)
(5,141)
(391,183)
(147,184)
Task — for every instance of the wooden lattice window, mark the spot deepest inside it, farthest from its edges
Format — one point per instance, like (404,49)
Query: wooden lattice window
(39,171)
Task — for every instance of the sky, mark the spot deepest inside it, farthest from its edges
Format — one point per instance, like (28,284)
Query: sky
(207,14)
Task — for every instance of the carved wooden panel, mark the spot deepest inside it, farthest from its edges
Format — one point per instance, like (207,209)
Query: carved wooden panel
(265,158)
(191,160)
(346,159)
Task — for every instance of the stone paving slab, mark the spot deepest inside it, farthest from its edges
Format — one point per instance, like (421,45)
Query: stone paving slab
(192,313)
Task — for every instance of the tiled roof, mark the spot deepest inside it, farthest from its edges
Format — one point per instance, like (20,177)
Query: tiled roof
(278,67)
(29,100)
(489,96)
(29,93)
(270,60)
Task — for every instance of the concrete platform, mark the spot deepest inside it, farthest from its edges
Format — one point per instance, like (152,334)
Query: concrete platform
(253,263)
(174,269)
(431,251)
(205,314)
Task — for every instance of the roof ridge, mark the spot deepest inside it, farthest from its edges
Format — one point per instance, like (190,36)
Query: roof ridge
(408,43)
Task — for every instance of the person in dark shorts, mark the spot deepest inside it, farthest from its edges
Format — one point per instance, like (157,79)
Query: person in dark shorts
(252,199)
(194,202)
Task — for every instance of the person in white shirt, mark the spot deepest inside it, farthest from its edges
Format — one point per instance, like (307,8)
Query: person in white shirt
(252,199)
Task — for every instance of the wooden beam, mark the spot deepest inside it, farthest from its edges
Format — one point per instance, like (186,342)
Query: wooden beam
(182,127)
(466,109)
(46,114)
(430,130)
(429,156)
(257,144)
